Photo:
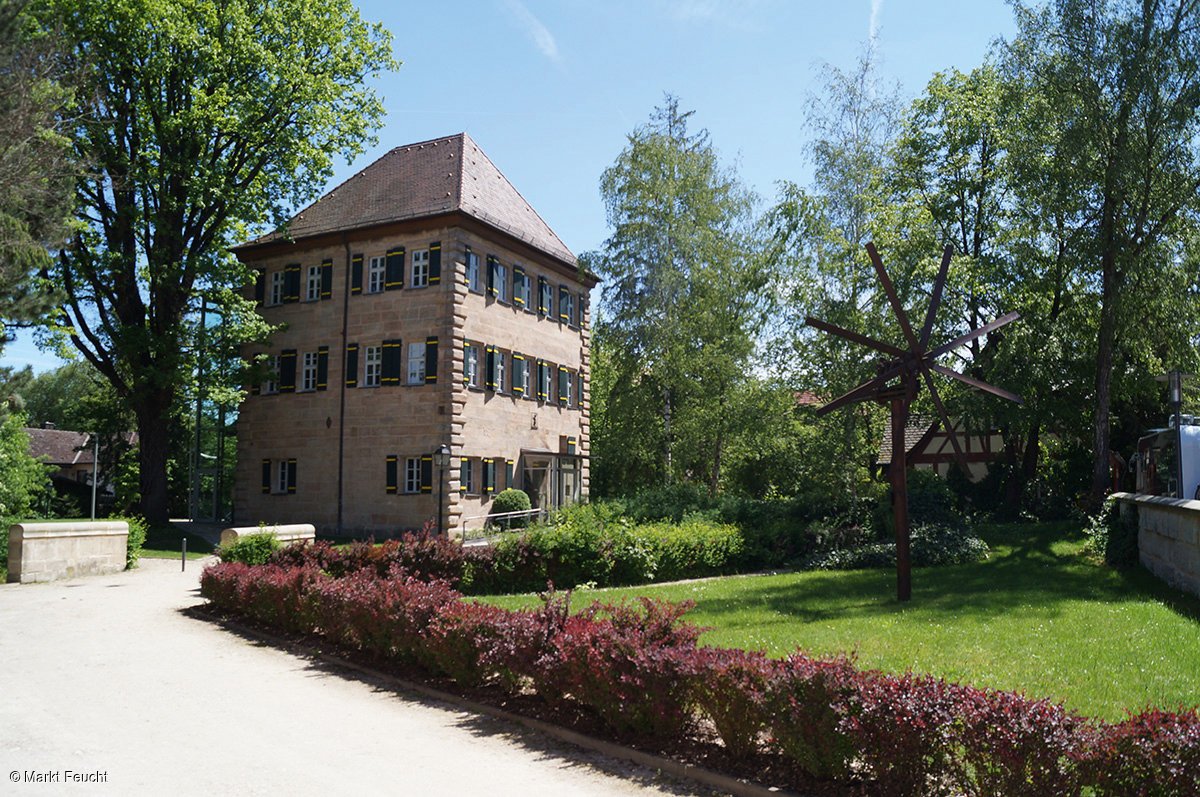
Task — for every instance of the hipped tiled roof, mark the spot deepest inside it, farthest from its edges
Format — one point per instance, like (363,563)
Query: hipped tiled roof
(915,428)
(425,179)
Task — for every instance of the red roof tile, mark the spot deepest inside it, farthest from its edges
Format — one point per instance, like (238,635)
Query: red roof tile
(425,179)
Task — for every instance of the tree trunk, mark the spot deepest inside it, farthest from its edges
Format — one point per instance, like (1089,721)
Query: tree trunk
(1104,362)
(666,435)
(153,414)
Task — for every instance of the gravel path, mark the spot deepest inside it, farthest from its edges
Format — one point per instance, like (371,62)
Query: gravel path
(107,678)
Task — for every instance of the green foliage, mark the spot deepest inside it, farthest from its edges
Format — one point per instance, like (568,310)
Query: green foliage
(596,544)
(252,549)
(218,118)
(511,500)
(24,482)
(137,538)
(684,296)
(1113,537)
(930,500)
(931,545)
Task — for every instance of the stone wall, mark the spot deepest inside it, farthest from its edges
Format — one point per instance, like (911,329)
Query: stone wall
(54,551)
(1168,537)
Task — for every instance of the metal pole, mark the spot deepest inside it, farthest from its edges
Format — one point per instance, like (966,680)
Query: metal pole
(194,509)
(900,498)
(95,469)
(183,562)
(441,494)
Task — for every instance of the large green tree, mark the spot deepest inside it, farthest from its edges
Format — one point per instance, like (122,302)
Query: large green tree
(1119,79)
(37,172)
(201,120)
(684,293)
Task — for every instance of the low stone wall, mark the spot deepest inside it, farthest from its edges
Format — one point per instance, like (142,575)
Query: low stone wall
(53,551)
(295,532)
(1168,537)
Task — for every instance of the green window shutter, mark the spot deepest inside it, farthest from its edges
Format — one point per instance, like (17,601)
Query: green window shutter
(266,476)
(464,474)
(489,475)
(435,262)
(543,296)
(493,267)
(390,362)
(393,468)
(490,381)
(351,369)
(431,346)
(518,281)
(564,304)
(564,385)
(541,380)
(508,473)
(322,367)
(579,308)
(356,272)
(466,275)
(291,283)
(260,286)
(327,279)
(393,270)
(291,476)
(427,473)
(518,368)
(287,371)
(466,371)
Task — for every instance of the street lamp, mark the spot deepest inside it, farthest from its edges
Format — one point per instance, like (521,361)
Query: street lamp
(441,458)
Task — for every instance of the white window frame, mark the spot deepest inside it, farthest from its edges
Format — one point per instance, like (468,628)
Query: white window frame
(313,284)
(281,476)
(471,353)
(523,373)
(500,372)
(412,475)
(308,376)
(474,274)
(372,365)
(420,268)
(275,295)
(416,363)
(376,274)
(526,292)
(271,386)
(502,280)
(547,387)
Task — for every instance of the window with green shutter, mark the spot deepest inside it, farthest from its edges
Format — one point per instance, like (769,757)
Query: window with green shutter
(287,371)
(545,296)
(322,367)
(435,263)
(266,476)
(431,357)
(260,286)
(326,279)
(351,369)
(564,386)
(356,274)
(427,473)
(392,468)
(391,362)
(393,279)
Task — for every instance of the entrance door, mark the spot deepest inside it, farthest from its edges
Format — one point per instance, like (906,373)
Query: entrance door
(536,479)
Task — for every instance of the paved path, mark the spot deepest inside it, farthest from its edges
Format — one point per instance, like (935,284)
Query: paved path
(108,675)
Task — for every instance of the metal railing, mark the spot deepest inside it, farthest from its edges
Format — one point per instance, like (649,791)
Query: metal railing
(491,526)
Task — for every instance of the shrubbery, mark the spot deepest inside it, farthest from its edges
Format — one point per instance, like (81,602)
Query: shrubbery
(1113,538)
(638,669)
(930,545)
(252,549)
(135,541)
(511,500)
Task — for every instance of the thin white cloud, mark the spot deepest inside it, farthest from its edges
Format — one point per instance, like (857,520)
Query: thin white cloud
(741,14)
(873,25)
(541,36)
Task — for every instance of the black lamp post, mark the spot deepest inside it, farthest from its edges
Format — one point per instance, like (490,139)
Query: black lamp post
(441,458)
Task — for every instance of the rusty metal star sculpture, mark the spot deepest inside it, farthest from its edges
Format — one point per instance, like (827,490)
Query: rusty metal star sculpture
(897,383)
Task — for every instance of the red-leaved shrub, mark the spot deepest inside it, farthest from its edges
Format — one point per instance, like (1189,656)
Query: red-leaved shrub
(1153,753)
(1013,745)
(633,664)
(731,687)
(808,698)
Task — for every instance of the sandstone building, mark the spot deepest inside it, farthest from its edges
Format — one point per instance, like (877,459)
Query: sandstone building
(423,303)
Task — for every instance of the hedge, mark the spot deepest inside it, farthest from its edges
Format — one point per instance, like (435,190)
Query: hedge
(638,669)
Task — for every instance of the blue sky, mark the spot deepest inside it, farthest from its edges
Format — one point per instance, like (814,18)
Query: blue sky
(550,88)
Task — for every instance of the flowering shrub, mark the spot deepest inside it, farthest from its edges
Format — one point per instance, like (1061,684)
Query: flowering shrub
(732,690)
(638,667)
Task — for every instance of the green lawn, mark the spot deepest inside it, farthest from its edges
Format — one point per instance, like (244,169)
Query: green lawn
(165,543)
(1035,617)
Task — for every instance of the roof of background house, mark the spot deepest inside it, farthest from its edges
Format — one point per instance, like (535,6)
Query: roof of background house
(60,447)
(428,178)
(915,428)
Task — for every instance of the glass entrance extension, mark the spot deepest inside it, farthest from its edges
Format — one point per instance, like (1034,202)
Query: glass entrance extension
(551,480)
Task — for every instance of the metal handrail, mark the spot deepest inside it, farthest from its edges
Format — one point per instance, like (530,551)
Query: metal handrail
(488,529)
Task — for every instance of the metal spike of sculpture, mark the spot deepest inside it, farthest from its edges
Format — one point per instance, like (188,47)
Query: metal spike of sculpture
(897,384)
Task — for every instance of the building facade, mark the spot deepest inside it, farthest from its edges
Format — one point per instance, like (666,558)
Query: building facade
(421,303)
